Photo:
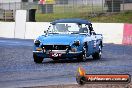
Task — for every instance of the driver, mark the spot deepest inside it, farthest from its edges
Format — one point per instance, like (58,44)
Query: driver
(91,30)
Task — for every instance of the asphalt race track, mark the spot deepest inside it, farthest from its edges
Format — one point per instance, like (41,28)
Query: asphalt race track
(17,68)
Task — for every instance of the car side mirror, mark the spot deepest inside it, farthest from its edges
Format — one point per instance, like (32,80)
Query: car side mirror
(46,32)
(87,34)
(93,32)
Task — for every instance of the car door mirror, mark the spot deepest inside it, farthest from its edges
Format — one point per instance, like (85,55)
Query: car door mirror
(87,34)
(46,32)
(93,33)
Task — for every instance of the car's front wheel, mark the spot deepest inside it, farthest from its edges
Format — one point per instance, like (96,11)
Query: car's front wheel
(83,56)
(37,59)
(97,55)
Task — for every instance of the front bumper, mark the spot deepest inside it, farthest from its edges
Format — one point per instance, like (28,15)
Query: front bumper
(57,53)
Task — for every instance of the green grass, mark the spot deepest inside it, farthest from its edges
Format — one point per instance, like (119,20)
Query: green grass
(123,17)
(76,8)
(68,11)
(51,17)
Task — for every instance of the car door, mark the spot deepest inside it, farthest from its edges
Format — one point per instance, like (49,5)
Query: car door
(89,45)
(94,42)
(89,39)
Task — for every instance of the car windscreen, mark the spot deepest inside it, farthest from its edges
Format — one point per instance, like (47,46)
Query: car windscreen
(67,28)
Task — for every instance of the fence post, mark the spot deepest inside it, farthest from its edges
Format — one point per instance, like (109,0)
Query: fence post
(4,16)
(9,5)
(73,6)
(112,6)
(123,6)
(87,6)
(15,6)
(92,6)
(64,6)
(21,5)
(102,6)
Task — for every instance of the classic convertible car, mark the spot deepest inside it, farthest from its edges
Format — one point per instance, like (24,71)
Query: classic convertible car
(68,38)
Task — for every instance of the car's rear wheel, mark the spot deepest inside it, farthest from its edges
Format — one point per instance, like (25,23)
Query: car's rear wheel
(37,59)
(83,56)
(97,55)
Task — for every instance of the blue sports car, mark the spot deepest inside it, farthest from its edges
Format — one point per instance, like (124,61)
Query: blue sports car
(68,38)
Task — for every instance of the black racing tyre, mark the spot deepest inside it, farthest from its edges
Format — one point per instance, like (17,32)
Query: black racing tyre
(83,56)
(37,59)
(97,55)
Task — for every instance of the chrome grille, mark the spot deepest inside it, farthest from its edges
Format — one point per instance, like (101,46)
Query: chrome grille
(55,47)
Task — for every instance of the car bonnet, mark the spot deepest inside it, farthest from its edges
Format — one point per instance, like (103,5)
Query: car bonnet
(60,39)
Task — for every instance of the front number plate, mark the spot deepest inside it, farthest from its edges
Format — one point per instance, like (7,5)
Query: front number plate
(56,55)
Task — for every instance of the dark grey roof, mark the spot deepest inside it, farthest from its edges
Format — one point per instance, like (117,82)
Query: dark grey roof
(72,20)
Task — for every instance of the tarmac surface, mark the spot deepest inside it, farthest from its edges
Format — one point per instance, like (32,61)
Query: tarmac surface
(17,68)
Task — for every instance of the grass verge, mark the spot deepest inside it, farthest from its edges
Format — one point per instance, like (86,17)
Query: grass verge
(123,17)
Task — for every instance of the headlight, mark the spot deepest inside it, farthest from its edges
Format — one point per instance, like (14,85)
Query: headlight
(38,49)
(37,42)
(76,43)
(73,49)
